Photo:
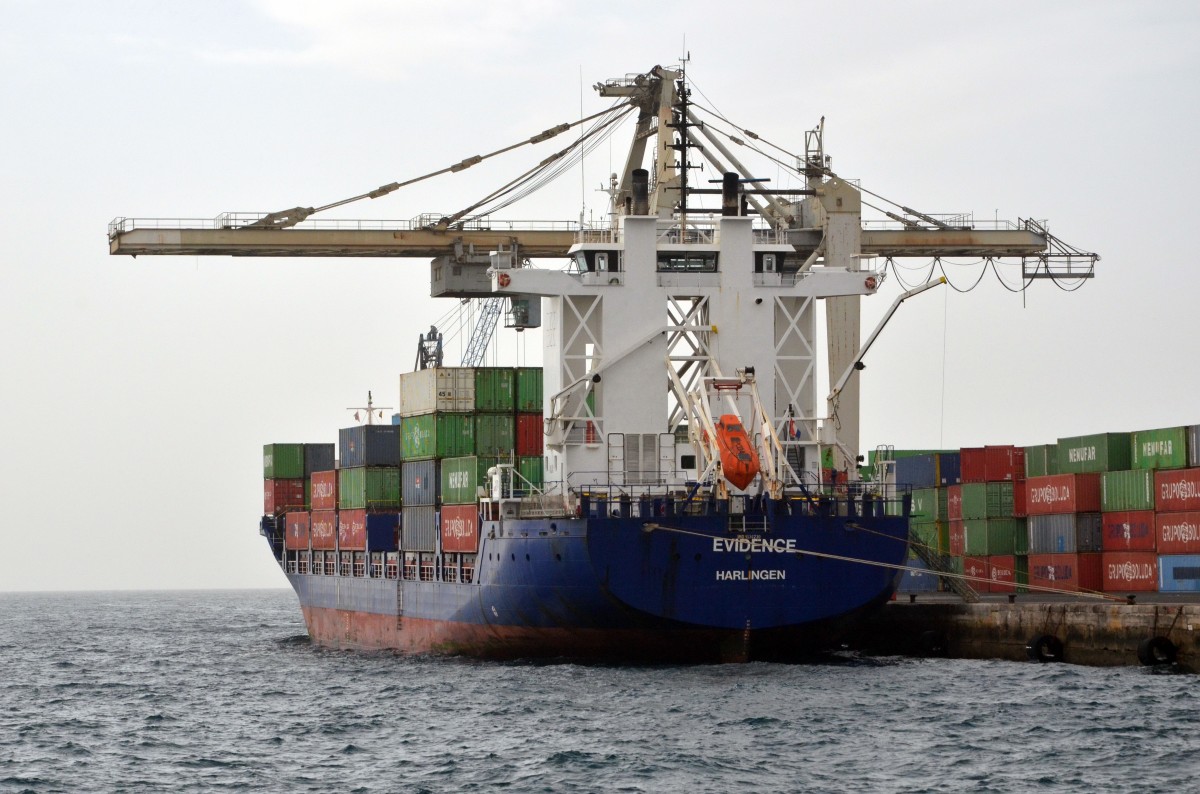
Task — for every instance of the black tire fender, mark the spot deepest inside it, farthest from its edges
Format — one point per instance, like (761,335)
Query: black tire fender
(932,643)
(1156,650)
(1045,648)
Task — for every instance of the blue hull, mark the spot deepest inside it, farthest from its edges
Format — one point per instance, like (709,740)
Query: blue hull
(680,588)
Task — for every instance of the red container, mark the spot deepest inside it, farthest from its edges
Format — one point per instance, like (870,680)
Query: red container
(1130,571)
(1071,572)
(323,529)
(297,532)
(1128,530)
(973,464)
(280,495)
(1002,570)
(1020,500)
(1178,533)
(1177,490)
(954,503)
(1003,464)
(324,490)
(460,528)
(958,538)
(1062,493)
(352,530)
(977,568)
(530,434)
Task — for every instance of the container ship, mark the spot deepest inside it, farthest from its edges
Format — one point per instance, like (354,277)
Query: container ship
(667,486)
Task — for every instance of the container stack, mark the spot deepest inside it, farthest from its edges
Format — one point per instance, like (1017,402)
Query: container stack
(992,530)
(283,478)
(530,429)
(931,476)
(367,518)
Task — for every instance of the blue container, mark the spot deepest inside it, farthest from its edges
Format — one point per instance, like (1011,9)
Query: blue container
(419,486)
(1179,573)
(369,445)
(381,531)
(922,581)
(936,470)
(317,457)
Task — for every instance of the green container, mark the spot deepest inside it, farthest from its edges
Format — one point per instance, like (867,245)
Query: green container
(928,505)
(461,478)
(988,536)
(935,537)
(531,468)
(1021,569)
(437,436)
(283,461)
(986,500)
(1041,460)
(529,390)
(1127,490)
(495,434)
(495,389)
(375,488)
(955,565)
(1095,453)
(1159,449)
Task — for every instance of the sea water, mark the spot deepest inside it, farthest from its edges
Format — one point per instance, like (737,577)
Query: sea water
(212,691)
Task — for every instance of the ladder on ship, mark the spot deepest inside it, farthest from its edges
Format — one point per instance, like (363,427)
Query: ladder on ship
(937,564)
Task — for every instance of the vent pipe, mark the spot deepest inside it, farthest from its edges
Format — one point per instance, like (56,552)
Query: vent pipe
(641,191)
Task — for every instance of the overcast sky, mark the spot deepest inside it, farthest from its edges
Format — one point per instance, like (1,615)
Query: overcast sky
(136,395)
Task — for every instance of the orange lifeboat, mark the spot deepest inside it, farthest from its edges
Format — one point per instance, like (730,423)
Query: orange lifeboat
(738,459)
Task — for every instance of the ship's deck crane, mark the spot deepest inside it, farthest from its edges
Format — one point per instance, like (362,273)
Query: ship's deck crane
(822,222)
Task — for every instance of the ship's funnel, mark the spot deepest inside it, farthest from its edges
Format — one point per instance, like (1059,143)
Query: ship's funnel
(641,191)
(729,194)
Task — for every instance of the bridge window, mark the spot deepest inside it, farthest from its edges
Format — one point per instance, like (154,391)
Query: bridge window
(687,262)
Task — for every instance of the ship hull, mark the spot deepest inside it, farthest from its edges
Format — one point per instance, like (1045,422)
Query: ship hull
(685,589)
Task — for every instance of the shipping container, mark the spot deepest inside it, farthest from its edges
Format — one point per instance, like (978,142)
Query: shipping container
(1003,463)
(1128,530)
(957,538)
(1193,442)
(930,537)
(1008,573)
(973,464)
(1070,572)
(495,434)
(531,468)
(1177,490)
(1020,500)
(323,490)
(1041,460)
(368,445)
(297,524)
(1179,573)
(460,528)
(359,530)
(1165,448)
(283,461)
(990,536)
(1130,571)
(1062,493)
(531,434)
(438,389)
(529,389)
(954,503)
(460,479)
(318,457)
(323,529)
(1065,533)
(376,488)
(987,500)
(1178,533)
(918,579)
(928,505)
(419,483)
(437,436)
(495,389)
(282,495)
(1095,453)
(919,471)
(419,528)
(1127,490)
(977,568)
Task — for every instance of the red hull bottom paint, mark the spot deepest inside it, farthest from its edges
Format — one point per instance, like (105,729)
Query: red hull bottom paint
(362,631)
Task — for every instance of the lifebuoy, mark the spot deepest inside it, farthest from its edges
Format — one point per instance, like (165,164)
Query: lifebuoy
(503,279)
(1156,650)
(1045,648)
(871,282)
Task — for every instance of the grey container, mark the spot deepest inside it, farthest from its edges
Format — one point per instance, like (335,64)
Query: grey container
(418,528)
(1065,533)
(1193,440)
(317,457)
(419,483)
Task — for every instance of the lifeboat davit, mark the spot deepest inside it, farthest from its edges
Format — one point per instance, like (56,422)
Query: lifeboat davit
(738,459)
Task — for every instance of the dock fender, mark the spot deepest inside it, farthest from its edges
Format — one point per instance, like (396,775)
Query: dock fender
(1045,648)
(932,643)
(1156,650)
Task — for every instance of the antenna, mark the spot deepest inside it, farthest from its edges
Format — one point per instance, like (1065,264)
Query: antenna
(371,410)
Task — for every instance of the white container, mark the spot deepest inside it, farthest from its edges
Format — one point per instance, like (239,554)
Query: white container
(437,390)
